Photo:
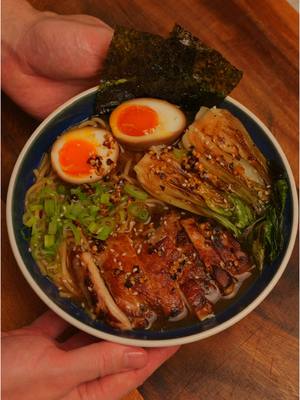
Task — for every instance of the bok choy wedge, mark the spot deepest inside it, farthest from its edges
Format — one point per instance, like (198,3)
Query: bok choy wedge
(164,178)
(218,172)
(221,147)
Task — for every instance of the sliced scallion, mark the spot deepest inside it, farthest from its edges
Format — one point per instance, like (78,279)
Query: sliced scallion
(93,227)
(49,207)
(138,211)
(104,198)
(49,241)
(52,228)
(135,192)
(30,222)
(75,231)
(104,232)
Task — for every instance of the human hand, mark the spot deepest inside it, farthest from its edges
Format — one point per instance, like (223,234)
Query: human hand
(36,366)
(48,58)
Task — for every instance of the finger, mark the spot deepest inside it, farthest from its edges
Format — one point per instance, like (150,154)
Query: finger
(50,324)
(87,19)
(116,386)
(101,359)
(78,340)
(55,92)
(74,50)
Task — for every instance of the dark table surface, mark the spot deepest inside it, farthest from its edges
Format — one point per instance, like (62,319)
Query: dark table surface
(257,358)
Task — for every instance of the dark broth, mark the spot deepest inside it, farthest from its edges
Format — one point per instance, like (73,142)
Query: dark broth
(221,305)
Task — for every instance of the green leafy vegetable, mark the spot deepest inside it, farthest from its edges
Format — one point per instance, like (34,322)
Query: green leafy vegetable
(265,237)
(244,214)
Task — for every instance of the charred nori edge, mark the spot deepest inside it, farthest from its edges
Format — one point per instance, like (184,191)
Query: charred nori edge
(210,67)
(180,69)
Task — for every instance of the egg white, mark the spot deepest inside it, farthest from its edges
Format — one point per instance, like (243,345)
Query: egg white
(172,122)
(106,148)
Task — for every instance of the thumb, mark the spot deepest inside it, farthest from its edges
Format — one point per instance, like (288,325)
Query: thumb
(101,359)
(66,47)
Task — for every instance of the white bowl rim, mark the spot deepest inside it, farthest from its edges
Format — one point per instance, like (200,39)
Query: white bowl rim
(142,342)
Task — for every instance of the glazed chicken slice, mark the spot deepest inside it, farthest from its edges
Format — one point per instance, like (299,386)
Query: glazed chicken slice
(124,275)
(164,293)
(90,282)
(184,267)
(214,264)
(181,265)
(158,254)
(236,260)
(192,279)
(82,280)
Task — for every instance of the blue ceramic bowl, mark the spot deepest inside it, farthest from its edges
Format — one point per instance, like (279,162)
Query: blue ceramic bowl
(74,111)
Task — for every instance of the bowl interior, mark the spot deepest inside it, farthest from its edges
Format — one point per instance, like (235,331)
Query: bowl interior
(75,112)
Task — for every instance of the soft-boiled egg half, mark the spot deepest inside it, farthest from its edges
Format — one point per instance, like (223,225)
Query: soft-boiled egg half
(141,123)
(84,155)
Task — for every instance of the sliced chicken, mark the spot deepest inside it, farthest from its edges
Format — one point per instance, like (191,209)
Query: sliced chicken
(193,281)
(81,277)
(103,295)
(164,293)
(214,264)
(183,264)
(236,260)
(124,274)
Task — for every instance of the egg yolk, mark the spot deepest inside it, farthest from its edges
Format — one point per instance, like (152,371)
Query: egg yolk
(74,156)
(137,120)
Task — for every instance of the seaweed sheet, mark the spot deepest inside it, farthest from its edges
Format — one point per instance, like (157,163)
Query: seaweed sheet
(180,69)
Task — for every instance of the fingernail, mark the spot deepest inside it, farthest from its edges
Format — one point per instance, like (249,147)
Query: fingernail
(135,359)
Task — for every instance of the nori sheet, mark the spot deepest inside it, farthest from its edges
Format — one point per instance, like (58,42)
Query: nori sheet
(179,69)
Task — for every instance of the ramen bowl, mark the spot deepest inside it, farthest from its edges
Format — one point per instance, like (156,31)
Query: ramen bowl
(72,112)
